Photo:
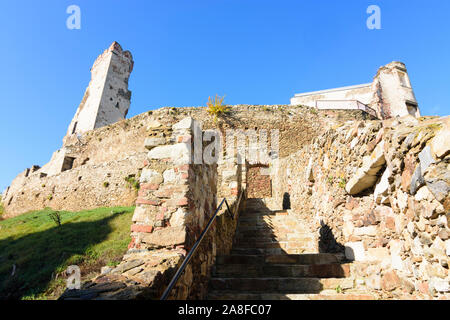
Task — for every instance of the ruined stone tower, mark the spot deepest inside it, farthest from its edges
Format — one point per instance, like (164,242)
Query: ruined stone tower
(393,95)
(107,98)
(389,95)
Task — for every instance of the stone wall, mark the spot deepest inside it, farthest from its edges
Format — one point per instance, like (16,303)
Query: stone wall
(176,200)
(378,194)
(86,187)
(100,150)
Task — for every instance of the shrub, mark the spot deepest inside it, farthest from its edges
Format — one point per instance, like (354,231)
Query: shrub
(216,107)
(173,111)
(56,217)
(106,184)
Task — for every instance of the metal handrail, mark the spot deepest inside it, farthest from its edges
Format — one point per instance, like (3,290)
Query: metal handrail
(197,243)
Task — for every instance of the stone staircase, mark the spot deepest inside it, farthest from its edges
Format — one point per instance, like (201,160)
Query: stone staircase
(275,257)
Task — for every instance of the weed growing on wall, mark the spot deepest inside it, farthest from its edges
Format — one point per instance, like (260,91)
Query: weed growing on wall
(216,108)
(132,182)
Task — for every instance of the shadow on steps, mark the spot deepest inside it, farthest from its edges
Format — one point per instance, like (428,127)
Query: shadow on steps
(268,260)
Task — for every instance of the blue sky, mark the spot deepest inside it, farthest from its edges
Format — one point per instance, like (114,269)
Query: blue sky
(252,51)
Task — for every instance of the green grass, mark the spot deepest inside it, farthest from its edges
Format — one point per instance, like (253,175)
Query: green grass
(41,251)
(2,210)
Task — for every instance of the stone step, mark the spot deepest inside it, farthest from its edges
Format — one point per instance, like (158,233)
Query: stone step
(224,295)
(253,228)
(255,222)
(282,270)
(271,225)
(268,216)
(249,214)
(274,244)
(302,259)
(287,285)
(271,229)
(277,232)
(272,251)
(275,237)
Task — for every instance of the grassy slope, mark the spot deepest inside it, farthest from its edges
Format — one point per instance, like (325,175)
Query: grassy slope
(41,251)
(1,208)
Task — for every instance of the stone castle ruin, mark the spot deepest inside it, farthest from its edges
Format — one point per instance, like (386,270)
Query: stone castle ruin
(355,193)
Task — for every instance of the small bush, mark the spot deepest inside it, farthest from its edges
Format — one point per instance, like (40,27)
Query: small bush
(56,217)
(173,111)
(216,107)
(106,184)
(50,197)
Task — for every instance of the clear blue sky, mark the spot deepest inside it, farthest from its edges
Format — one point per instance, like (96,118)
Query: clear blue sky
(252,51)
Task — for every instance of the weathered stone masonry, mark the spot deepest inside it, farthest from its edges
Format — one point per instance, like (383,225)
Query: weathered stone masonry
(378,193)
(123,141)
(175,202)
